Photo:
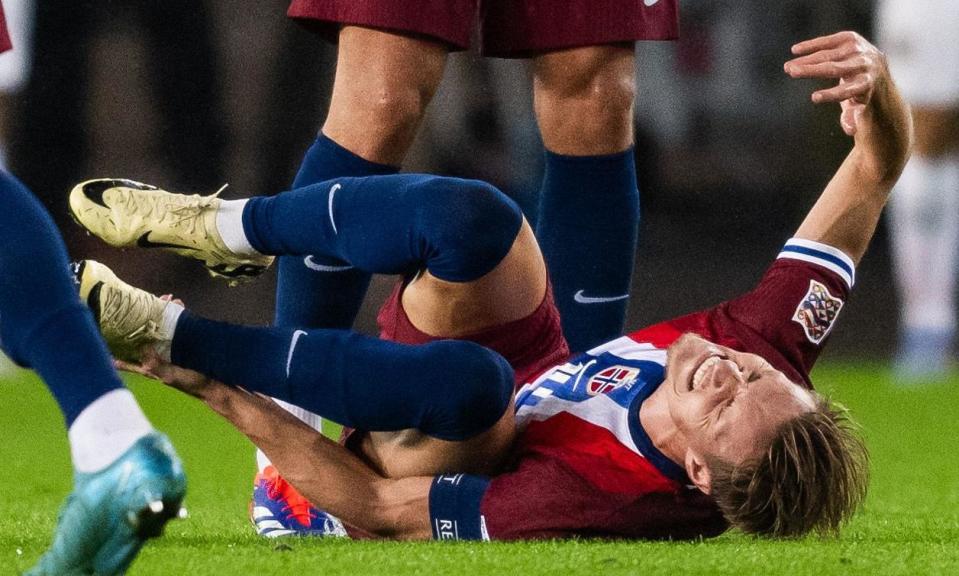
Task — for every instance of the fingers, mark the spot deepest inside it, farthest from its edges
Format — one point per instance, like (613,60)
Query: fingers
(134,368)
(824,42)
(171,298)
(820,56)
(856,64)
(858,88)
(845,56)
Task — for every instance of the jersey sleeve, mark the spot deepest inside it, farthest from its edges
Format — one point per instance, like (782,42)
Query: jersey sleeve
(545,499)
(795,306)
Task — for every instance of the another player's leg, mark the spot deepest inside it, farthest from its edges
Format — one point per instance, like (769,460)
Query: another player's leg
(458,229)
(128,480)
(450,390)
(924,209)
(924,218)
(589,203)
(382,86)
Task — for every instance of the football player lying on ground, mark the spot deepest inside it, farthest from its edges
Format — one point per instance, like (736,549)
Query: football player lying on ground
(673,431)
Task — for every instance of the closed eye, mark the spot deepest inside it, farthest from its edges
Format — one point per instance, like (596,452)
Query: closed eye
(726,404)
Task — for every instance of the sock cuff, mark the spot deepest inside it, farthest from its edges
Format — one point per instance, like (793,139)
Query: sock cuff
(229,224)
(180,342)
(106,429)
(605,162)
(349,162)
(256,208)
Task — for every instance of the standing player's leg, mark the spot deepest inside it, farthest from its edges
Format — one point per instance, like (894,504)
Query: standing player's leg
(382,86)
(44,326)
(584,86)
(589,202)
(924,217)
(924,210)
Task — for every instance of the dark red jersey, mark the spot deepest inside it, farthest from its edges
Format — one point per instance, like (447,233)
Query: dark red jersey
(584,464)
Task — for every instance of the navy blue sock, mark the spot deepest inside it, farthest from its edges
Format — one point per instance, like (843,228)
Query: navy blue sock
(43,324)
(458,229)
(450,389)
(588,218)
(323,292)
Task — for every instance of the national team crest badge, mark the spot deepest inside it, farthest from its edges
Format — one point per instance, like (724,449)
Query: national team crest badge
(609,379)
(817,312)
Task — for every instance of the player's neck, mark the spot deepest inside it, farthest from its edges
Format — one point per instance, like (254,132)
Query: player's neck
(656,420)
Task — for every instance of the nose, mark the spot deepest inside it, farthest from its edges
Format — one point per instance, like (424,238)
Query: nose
(726,378)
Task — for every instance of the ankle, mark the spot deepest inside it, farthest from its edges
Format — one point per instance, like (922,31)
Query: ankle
(229,224)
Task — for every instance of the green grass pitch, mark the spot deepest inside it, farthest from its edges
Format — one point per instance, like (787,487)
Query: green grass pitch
(910,524)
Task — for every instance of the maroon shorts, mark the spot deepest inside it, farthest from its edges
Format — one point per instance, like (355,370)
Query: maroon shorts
(507,28)
(4,35)
(530,345)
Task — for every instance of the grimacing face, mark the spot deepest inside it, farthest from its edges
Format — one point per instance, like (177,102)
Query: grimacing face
(727,404)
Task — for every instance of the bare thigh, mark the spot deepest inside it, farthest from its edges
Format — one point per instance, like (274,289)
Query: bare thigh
(411,453)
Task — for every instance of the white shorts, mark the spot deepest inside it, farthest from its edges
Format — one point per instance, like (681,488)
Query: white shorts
(921,41)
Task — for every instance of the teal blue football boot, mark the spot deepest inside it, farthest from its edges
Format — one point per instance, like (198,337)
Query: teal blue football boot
(111,513)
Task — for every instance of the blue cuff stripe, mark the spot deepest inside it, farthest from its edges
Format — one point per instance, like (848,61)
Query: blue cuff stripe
(819,254)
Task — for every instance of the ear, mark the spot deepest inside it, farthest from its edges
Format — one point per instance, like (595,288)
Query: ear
(698,471)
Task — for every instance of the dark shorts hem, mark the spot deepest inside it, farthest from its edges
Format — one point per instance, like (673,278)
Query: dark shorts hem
(513,29)
(449,22)
(508,29)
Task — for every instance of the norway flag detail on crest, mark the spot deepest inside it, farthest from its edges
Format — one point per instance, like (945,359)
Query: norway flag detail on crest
(612,378)
(817,312)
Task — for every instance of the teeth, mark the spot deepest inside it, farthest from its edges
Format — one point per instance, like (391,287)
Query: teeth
(703,368)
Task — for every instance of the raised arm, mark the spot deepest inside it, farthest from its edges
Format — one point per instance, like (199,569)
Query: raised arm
(873,113)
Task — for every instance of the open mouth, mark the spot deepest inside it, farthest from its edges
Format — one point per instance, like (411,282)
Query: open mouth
(697,377)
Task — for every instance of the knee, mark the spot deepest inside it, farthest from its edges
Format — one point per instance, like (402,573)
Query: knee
(589,92)
(472,225)
(376,114)
(396,109)
(479,391)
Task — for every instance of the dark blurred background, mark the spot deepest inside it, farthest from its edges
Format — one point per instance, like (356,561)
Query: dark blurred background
(191,94)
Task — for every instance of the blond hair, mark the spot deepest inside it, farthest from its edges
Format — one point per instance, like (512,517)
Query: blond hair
(811,478)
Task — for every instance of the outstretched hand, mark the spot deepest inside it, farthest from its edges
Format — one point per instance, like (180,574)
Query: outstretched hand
(848,57)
